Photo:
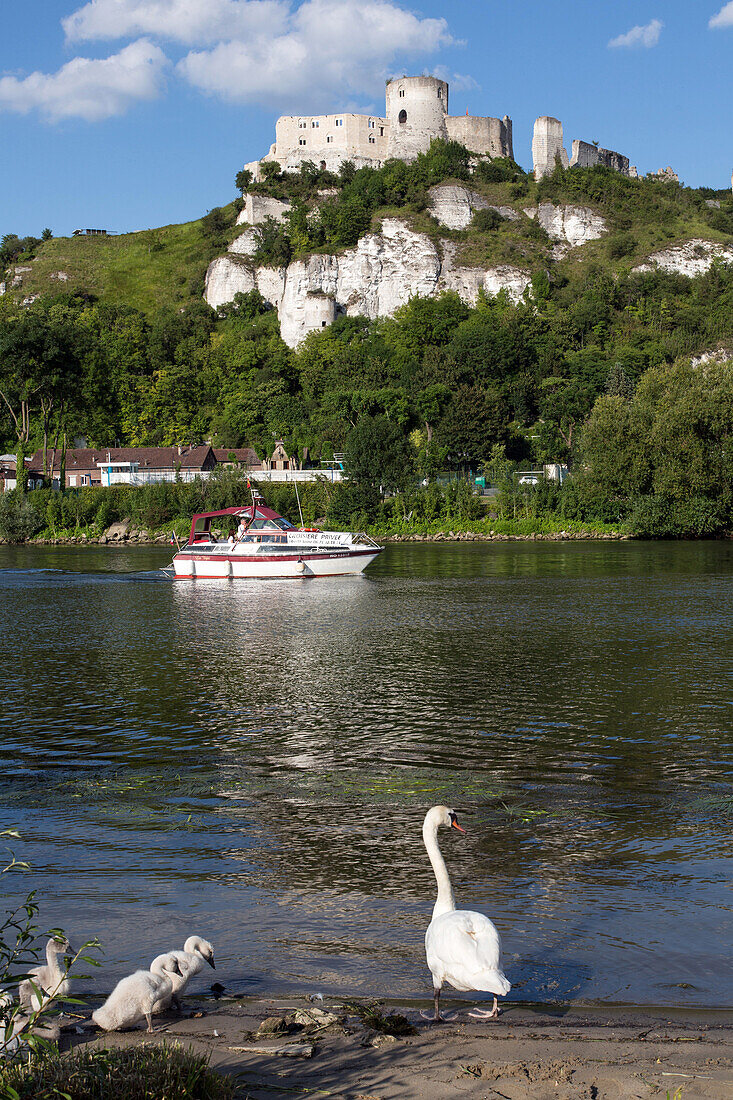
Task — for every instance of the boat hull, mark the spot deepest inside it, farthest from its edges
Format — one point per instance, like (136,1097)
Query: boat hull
(192,566)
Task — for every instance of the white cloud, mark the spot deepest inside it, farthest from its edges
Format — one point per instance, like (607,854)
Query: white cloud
(724,18)
(193,22)
(462,82)
(88,89)
(328,49)
(639,37)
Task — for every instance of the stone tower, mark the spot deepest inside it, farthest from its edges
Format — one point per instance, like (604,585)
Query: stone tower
(416,111)
(547,146)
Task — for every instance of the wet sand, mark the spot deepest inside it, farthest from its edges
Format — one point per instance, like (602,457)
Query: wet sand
(530,1053)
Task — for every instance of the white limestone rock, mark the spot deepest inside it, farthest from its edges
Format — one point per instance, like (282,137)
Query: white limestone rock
(691,258)
(467,282)
(373,279)
(245,244)
(506,212)
(60,276)
(225,279)
(720,355)
(454,206)
(17,276)
(570,225)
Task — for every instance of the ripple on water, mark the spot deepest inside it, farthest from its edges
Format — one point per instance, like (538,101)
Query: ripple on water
(253,761)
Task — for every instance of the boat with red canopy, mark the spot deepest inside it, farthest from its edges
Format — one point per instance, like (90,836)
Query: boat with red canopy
(255,542)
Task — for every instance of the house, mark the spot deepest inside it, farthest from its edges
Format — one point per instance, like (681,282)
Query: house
(240,457)
(8,467)
(280,459)
(130,465)
(8,474)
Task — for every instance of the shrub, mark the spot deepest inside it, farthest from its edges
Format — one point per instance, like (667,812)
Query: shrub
(351,506)
(500,170)
(146,1072)
(487,220)
(659,517)
(18,950)
(19,520)
(623,244)
(531,228)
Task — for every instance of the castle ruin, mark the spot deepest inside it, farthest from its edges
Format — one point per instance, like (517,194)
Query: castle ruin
(416,113)
(548,149)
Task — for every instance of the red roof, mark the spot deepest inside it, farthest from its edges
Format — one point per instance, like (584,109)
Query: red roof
(242,455)
(148,458)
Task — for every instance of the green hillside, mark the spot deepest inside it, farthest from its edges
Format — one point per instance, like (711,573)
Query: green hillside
(144,270)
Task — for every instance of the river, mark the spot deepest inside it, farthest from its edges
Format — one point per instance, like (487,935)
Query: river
(251,762)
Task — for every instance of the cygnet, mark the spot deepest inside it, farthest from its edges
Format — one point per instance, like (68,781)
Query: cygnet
(138,995)
(50,981)
(196,952)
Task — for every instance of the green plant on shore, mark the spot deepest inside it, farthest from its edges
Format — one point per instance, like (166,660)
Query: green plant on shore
(146,1072)
(389,1023)
(19,946)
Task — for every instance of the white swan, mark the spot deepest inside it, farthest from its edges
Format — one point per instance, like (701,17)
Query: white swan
(190,961)
(138,996)
(462,948)
(50,981)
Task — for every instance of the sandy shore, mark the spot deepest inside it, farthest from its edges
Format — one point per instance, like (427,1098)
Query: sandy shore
(530,1053)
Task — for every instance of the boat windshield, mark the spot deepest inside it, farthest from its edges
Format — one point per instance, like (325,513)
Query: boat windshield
(279,524)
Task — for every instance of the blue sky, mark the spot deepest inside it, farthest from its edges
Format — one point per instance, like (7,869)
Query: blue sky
(127,114)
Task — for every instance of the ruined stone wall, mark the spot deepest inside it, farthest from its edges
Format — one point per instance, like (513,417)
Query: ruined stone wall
(547,146)
(257,208)
(416,113)
(487,136)
(586,156)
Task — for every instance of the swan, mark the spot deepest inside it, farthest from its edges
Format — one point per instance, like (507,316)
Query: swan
(46,982)
(190,961)
(462,948)
(138,995)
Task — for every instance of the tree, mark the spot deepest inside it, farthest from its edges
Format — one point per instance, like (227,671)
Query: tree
(615,460)
(40,370)
(377,454)
(565,402)
(47,235)
(242,180)
(473,421)
(270,169)
(214,223)
(430,404)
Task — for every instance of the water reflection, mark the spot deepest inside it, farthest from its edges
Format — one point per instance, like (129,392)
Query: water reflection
(253,761)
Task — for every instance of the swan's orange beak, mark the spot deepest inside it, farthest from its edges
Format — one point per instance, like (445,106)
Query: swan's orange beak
(455,825)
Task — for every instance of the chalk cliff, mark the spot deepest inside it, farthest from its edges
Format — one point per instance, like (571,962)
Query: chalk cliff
(454,206)
(691,258)
(568,225)
(380,274)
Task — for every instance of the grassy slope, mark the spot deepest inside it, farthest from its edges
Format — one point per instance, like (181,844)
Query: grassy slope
(146,270)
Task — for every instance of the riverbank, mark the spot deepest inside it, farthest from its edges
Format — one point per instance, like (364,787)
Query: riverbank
(125,532)
(530,1053)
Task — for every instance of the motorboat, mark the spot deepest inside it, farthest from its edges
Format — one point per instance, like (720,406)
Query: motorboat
(255,542)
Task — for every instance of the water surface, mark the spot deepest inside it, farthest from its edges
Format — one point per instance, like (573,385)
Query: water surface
(252,762)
